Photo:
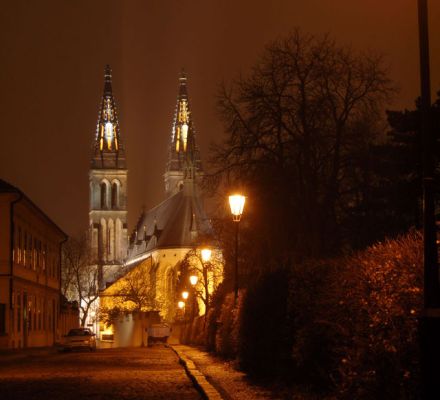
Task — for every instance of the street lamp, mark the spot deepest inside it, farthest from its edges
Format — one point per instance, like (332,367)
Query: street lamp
(206,255)
(236,202)
(193,279)
(185,295)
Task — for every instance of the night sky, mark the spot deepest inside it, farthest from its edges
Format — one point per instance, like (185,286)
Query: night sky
(52,63)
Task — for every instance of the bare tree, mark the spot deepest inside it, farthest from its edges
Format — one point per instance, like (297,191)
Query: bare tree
(134,291)
(299,127)
(209,273)
(79,275)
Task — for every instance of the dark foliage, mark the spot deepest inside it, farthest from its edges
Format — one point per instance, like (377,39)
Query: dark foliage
(354,321)
(344,328)
(265,340)
(300,127)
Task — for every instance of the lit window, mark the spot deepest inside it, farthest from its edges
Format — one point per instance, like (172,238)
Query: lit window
(184,135)
(109,134)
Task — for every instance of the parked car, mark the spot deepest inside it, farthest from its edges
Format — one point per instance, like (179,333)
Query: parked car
(158,333)
(79,338)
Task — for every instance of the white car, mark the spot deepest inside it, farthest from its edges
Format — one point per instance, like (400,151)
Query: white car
(79,338)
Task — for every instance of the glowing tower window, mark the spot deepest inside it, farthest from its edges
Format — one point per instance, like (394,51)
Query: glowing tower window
(184,135)
(109,134)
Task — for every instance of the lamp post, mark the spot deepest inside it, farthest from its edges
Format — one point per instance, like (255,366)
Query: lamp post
(236,202)
(206,258)
(193,279)
(430,320)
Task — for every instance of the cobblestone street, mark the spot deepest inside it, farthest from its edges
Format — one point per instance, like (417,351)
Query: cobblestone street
(135,373)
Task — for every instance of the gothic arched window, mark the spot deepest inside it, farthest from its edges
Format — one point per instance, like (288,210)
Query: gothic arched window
(115,195)
(103,195)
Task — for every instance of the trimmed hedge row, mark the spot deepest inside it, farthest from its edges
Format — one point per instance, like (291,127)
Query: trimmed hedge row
(345,327)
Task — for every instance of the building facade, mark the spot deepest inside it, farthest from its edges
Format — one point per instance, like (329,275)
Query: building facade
(30,272)
(164,235)
(108,190)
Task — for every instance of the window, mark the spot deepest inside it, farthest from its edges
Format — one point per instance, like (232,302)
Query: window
(20,245)
(107,336)
(30,251)
(103,195)
(29,318)
(12,313)
(115,195)
(18,312)
(25,249)
(44,257)
(39,315)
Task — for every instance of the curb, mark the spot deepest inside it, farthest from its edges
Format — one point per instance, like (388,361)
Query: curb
(199,380)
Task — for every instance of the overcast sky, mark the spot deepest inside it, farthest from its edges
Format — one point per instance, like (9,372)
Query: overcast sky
(53,54)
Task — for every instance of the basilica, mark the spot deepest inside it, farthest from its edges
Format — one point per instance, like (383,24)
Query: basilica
(160,244)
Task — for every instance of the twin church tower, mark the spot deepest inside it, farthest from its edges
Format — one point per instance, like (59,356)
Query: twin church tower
(109,238)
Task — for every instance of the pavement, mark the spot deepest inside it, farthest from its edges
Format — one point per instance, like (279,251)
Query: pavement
(147,373)
(217,379)
(111,374)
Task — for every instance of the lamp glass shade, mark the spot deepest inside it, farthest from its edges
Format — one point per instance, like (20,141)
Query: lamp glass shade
(236,202)
(193,279)
(206,254)
(181,304)
(185,295)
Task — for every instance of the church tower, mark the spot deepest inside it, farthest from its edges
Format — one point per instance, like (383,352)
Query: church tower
(108,189)
(183,155)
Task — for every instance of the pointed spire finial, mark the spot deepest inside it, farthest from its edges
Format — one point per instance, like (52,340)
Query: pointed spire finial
(182,84)
(182,77)
(107,80)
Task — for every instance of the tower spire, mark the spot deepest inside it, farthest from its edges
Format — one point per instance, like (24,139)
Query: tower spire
(183,157)
(108,148)
(108,190)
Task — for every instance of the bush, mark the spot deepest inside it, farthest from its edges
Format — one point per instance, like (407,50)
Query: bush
(265,339)
(354,321)
(226,340)
(345,327)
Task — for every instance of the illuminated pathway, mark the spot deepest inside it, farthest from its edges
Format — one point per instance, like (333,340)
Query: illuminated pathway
(110,374)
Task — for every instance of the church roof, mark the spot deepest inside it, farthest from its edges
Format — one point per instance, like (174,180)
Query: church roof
(174,223)
(108,149)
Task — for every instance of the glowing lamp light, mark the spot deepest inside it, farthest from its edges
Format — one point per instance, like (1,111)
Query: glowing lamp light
(185,295)
(181,304)
(193,279)
(184,135)
(206,254)
(236,202)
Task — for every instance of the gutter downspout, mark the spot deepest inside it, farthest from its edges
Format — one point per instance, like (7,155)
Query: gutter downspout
(59,282)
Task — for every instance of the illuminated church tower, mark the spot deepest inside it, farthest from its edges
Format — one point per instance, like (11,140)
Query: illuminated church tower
(183,156)
(108,189)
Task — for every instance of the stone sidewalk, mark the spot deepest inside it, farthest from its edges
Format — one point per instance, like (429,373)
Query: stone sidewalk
(216,378)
